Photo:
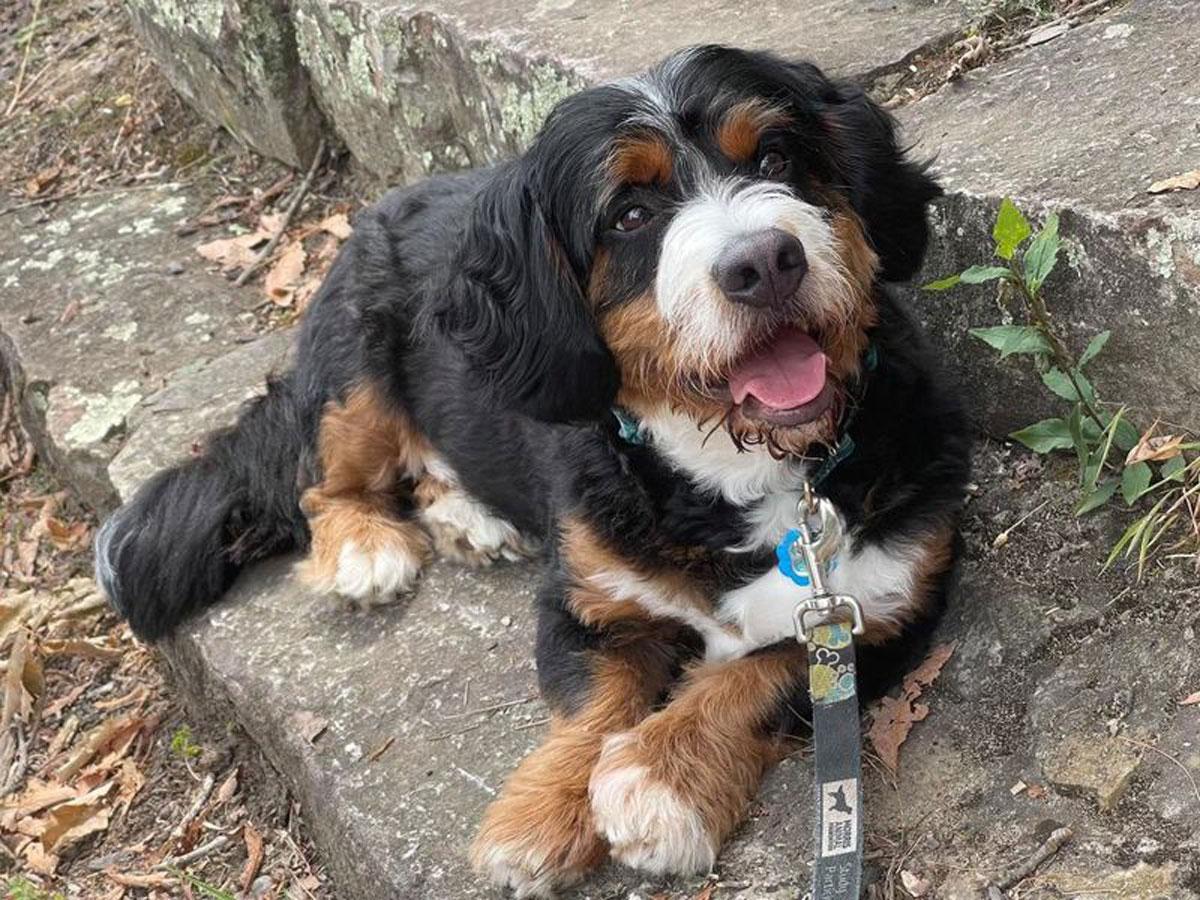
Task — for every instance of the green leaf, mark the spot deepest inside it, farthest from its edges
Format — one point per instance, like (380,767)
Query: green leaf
(1100,495)
(1125,435)
(1172,469)
(1095,345)
(1042,254)
(1134,481)
(980,274)
(1045,436)
(1011,229)
(1058,381)
(943,284)
(1010,339)
(1075,427)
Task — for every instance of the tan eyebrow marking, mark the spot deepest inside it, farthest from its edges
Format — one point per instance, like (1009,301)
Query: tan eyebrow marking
(641,159)
(743,125)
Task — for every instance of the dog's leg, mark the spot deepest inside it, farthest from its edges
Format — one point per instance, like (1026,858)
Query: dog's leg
(538,834)
(463,529)
(667,793)
(363,549)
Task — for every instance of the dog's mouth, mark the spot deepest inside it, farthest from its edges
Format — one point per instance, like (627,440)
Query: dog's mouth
(783,382)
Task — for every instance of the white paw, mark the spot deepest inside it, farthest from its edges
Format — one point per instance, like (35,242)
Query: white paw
(525,871)
(376,577)
(647,825)
(464,529)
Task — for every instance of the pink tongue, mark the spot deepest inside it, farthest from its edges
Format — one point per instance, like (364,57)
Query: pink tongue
(788,373)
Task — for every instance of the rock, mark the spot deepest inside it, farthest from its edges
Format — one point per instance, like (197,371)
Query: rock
(1081,126)
(90,327)
(413,90)
(1099,764)
(235,61)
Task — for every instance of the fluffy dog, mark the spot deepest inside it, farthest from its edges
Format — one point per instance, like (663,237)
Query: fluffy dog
(627,348)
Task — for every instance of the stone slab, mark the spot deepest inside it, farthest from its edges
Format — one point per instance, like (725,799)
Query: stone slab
(235,61)
(1082,125)
(377,719)
(420,88)
(92,322)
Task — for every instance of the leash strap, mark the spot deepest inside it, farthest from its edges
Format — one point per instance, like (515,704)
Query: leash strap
(837,740)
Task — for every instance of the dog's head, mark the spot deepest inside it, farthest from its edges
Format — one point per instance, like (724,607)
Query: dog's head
(705,237)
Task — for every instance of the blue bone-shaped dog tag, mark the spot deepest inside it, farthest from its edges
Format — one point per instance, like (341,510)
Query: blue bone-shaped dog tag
(793,565)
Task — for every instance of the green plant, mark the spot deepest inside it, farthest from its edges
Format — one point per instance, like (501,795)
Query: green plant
(1152,467)
(182,744)
(24,889)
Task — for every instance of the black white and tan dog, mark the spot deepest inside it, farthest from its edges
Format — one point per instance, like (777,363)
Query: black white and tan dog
(623,351)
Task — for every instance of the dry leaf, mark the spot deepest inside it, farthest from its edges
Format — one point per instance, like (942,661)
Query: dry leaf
(270,222)
(1188,181)
(134,880)
(254,855)
(893,717)
(38,860)
(37,796)
(1156,449)
(1190,699)
(227,789)
(1036,791)
(285,273)
(235,252)
(42,180)
(138,695)
(131,781)
(76,819)
(338,225)
(67,536)
(915,885)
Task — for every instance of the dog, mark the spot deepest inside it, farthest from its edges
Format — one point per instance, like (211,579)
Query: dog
(622,351)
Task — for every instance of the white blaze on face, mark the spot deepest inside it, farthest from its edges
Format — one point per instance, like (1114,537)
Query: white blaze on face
(710,329)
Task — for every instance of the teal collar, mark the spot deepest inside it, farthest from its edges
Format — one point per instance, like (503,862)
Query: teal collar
(631,431)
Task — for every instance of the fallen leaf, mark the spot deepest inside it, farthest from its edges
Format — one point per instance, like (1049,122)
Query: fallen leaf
(893,717)
(42,180)
(37,796)
(1188,181)
(76,819)
(1154,448)
(285,273)
(131,781)
(1047,33)
(235,252)
(38,860)
(1036,791)
(67,536)
(138,695)
(254,855)
(915,885)
(228,788)
(135,880)
(706,893)
(1190,699)
(270,222)
(338,225)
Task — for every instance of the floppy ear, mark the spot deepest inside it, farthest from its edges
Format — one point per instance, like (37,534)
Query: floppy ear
(888,191)
(517,312)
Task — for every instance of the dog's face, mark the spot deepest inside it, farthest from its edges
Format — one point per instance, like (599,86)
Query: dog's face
(703,238)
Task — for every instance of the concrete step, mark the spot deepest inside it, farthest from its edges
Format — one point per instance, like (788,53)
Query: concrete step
(1082,126)
(98,306)
(397,726)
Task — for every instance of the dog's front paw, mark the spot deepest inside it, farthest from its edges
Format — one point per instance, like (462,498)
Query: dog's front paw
(538,834)
(648,824)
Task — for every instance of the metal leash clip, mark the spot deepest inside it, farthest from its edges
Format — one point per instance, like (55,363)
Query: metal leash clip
(814,547)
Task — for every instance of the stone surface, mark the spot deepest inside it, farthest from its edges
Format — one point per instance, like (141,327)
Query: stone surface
(235,61)
(1082,125)
(91,323)
(420,709)
(414,89)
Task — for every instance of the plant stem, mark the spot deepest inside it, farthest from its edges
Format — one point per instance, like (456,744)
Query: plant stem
(1045,323)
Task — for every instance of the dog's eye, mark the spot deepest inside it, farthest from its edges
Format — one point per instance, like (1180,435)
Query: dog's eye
(633,218)
(773,164)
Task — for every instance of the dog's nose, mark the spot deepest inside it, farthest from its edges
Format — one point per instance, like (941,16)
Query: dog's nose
(761,268)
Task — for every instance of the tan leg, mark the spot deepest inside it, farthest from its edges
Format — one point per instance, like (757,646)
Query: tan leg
(362,549)
(538,834)
(666,793)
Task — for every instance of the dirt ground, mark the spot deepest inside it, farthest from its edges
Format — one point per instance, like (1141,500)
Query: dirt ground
(107,788)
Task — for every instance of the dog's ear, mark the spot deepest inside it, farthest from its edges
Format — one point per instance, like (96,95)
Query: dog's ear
(889,191)
(516,309)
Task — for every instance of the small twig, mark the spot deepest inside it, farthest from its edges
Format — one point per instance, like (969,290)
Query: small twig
(1002,538)
(33,24)
(493,708)
(194,810)
(534,724)
(1184,769)
(288,215)
(1052,845)
(475,779)
(203,850)
(448,734)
